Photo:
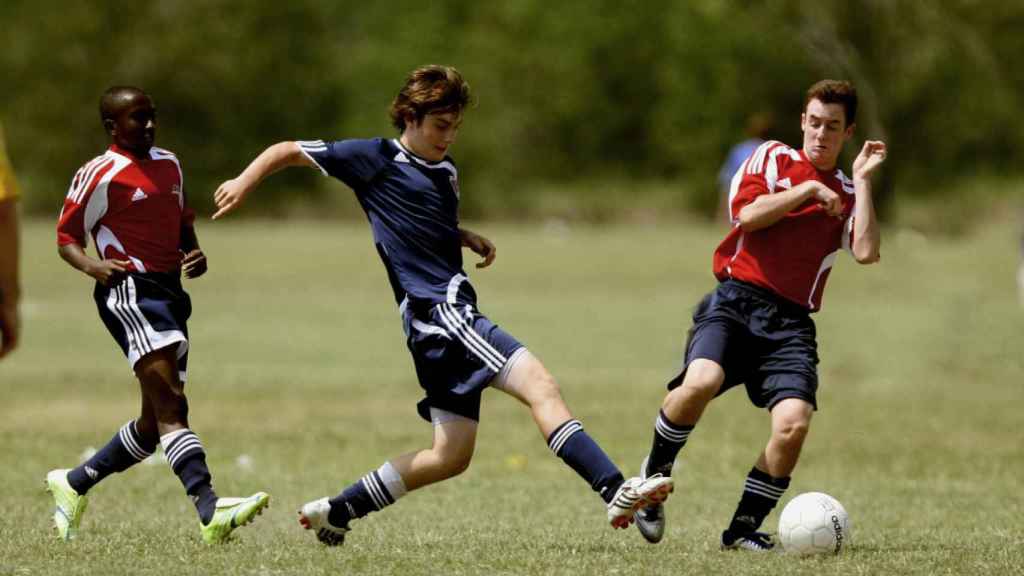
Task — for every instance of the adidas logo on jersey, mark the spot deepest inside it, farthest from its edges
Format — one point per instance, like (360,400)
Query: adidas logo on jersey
(139,195)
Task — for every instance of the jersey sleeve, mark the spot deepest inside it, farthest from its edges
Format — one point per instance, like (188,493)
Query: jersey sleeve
(755,177)
(354,162)
(71,224)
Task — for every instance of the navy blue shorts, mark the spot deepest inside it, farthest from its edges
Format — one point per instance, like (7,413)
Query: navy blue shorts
(759,339)
(457,352)
(145,312)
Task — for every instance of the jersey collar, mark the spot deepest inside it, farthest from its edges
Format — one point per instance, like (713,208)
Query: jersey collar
(412,157)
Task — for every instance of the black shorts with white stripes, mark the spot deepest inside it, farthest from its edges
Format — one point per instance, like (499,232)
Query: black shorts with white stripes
(145,312)
(457,352)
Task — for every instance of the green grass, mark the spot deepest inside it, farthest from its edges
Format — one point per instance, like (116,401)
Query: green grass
(298,362)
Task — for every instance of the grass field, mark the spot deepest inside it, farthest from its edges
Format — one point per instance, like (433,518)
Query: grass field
(300,383)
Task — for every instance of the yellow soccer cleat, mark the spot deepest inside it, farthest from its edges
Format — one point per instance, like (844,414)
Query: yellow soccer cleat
(230,514)
(69,505)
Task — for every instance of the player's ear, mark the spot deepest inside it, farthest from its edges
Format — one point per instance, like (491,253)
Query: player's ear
(849,131)
(109,126)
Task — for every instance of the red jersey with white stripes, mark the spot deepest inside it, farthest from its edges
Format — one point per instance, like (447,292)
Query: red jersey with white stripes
(792,257)
(133,208)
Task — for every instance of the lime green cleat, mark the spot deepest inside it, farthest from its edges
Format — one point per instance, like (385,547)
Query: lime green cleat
(70,505)
(232,513)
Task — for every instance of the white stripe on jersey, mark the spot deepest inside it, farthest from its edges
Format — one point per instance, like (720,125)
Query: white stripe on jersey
(79,190)
(161,154)
(825,265)
(96,205)
(310,147)
(104,238)
(453,287)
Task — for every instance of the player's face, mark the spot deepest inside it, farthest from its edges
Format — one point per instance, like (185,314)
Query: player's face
(431,138)
(825,132)
(134,125)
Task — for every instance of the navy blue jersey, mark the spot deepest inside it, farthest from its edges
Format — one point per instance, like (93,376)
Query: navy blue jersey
(412,206)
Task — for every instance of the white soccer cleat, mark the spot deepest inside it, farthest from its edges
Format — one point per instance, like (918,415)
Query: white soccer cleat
(634,494)
(650,520)
(313,516)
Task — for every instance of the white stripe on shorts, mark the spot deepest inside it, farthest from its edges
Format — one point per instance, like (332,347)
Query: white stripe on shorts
(470,339)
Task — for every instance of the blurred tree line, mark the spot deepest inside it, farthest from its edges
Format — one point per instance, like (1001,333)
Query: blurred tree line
(573,96)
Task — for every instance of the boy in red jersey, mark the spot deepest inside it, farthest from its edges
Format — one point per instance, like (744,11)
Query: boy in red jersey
(792,212)
(130,201)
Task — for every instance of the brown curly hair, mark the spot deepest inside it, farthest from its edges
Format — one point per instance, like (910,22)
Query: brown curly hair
(428,90)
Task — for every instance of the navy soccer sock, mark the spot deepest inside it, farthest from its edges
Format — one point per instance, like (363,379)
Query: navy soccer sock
(669,439)
(187,459)
(760,494)
(577,449)
(373,492)
(124,450)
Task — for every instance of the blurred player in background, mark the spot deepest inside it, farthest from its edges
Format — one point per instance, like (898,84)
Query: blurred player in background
(131,202)
(792,212)
(10,285)
(758,128)
(408,187)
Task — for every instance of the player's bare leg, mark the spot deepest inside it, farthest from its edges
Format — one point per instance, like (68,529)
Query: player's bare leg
(768,480)
(791,420)
(685,404)
(450,454)
(528,381)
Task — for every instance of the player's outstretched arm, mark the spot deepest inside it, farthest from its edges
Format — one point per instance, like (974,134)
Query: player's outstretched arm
(480,245)
(279,156)
(867,238)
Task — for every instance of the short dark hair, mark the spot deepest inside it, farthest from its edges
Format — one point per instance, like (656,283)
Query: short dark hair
(113,98)
(429,89)
(835,92)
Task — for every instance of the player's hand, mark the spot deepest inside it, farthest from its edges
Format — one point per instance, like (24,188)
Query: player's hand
(828,199)
(480,245)
(193,265)
(227,197)
(871,156)
(108,272)
(10,326)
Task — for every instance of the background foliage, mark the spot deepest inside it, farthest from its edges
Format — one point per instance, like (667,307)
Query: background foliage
(574,98)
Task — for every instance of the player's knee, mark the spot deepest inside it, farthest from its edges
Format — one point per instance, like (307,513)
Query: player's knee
(792,432)
(702,381)
(452,461)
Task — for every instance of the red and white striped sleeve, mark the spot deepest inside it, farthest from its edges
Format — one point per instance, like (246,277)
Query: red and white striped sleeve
(756,176)
(71,226)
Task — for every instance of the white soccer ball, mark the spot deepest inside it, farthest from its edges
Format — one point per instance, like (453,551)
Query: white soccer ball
(814,523)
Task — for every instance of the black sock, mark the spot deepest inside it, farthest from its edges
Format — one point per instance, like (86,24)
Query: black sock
(760,494)
(669,439)
(187,459)
(124,450)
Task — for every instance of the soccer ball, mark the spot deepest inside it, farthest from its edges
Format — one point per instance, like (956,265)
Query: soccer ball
(814,523)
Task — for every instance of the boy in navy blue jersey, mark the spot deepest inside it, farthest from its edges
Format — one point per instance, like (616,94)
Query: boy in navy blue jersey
(131,202)
(408,188)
